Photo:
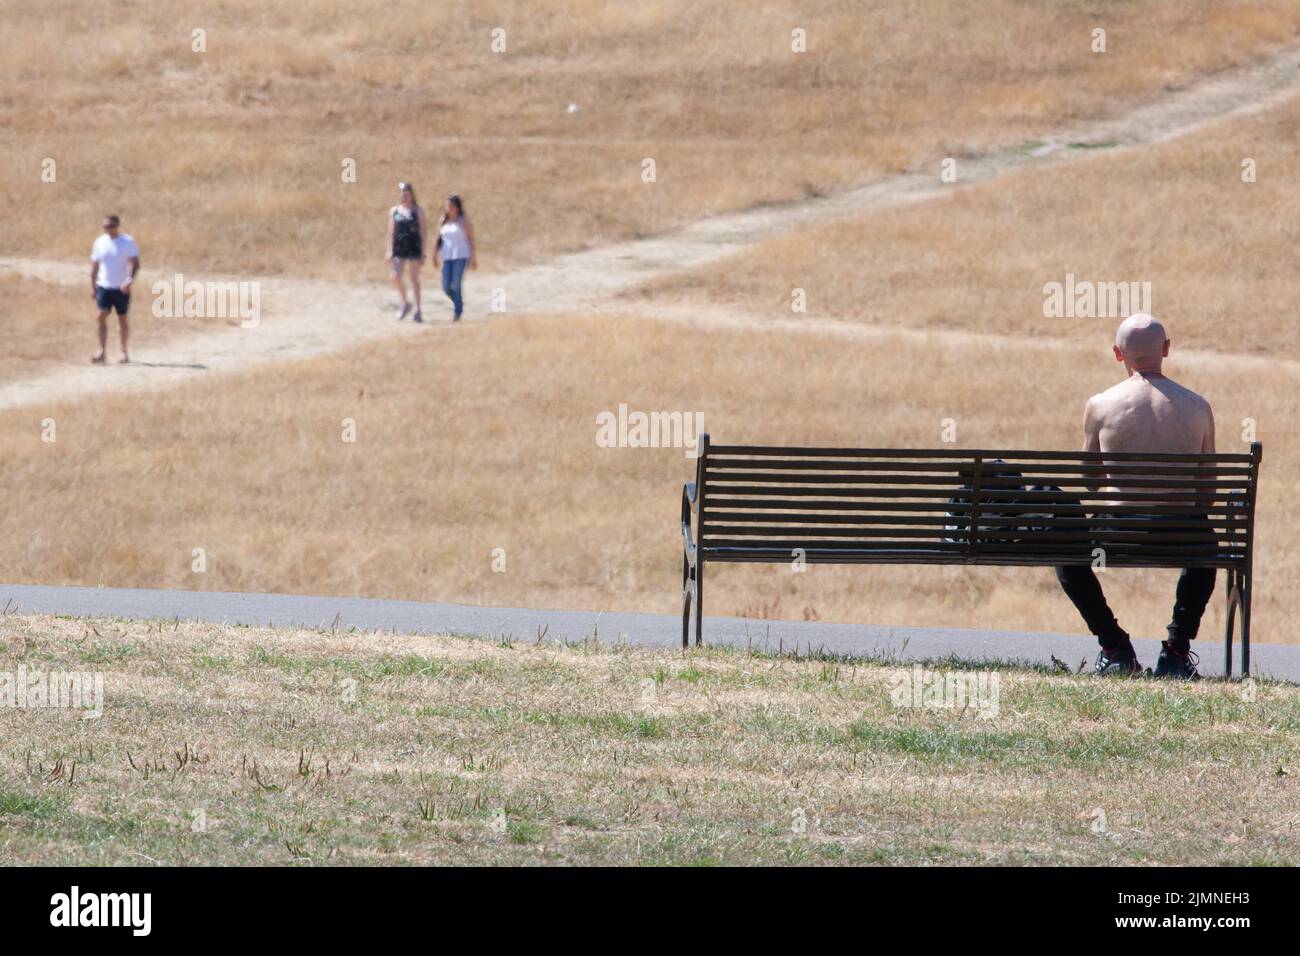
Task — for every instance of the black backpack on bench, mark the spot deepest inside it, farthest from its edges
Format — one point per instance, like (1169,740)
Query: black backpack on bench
(1005,478)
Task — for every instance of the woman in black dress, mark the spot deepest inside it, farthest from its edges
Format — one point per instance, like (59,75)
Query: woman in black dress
(408,229)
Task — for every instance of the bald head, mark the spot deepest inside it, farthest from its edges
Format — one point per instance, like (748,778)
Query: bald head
(1141,343)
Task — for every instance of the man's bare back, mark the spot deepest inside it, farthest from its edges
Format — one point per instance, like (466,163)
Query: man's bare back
(1147,412)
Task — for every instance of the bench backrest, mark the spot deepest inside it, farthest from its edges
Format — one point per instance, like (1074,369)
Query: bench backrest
(874,505)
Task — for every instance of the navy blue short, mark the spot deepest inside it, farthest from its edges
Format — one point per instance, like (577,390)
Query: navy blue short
(112,299)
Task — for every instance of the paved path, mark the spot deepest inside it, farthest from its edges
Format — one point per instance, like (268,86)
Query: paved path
(655,630)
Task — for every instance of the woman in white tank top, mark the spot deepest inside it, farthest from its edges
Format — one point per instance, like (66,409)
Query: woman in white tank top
(456,246)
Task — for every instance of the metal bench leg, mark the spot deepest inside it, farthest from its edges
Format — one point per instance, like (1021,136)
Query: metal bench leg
(1230,620)
(688,589)
(1245,625)
(686,615)
(699,600)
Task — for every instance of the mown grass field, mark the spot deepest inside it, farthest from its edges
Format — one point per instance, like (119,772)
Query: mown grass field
(244,746)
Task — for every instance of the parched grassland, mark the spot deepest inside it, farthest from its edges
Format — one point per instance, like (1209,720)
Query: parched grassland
(482,437)
(1213,239)
(225,152)
(241,746)
(46,324)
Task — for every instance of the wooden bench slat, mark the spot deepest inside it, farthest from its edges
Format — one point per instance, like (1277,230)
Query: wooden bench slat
(865,533)
(968,454)
(1166,557)
(723,477)
(802,505)
(945,493)
(962,467)
(930,544)
(712,517)
(1156,557)
(1190,539)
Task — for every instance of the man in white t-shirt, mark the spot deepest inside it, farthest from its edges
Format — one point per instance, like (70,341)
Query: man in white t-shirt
(114,261)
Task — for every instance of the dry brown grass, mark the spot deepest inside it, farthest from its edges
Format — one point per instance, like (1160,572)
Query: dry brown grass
(1218,252)
(483,437)
(247,746)
(229,161)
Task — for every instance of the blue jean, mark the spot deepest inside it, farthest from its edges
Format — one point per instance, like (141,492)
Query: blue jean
(452,272)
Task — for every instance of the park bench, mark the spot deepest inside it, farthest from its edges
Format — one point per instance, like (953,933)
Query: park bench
(798,506)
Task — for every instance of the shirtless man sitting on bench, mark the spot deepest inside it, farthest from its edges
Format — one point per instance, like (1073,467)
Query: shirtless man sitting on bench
(1146,412)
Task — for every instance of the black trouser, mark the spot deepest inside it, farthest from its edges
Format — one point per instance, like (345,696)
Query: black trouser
(1195,587)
